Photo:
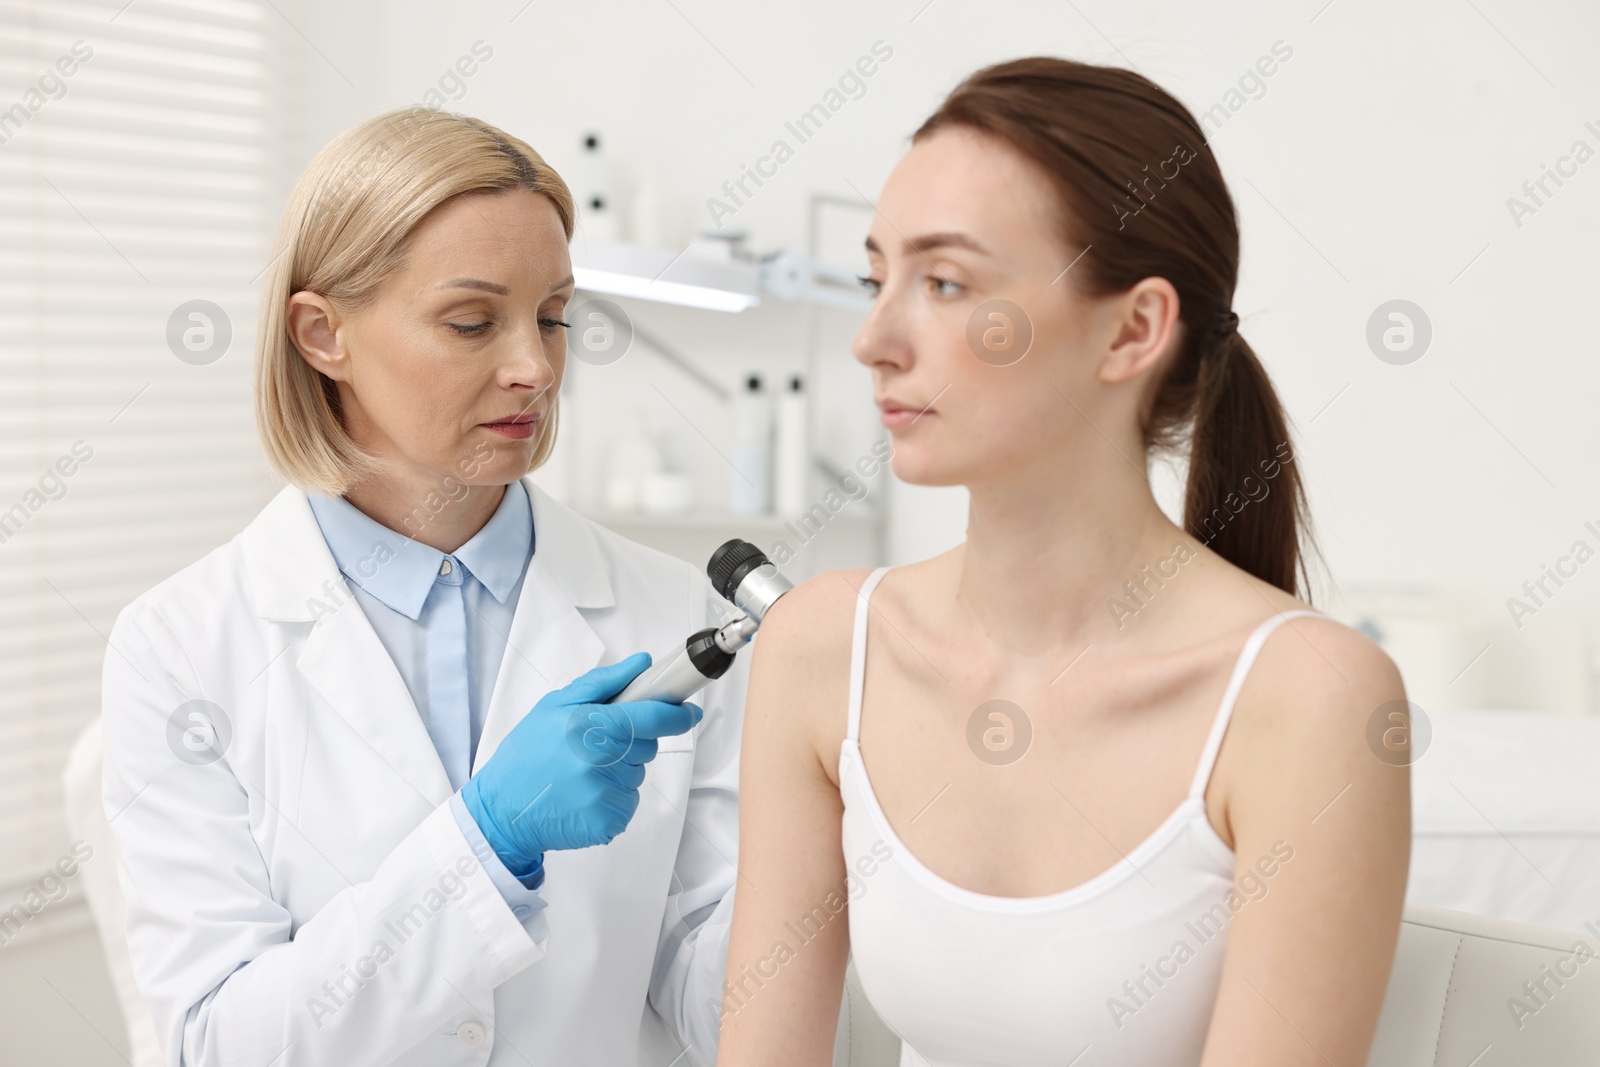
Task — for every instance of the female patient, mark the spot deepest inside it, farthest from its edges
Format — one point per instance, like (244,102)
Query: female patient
(1090,784)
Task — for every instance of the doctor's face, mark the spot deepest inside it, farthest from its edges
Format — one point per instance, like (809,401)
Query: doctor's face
(467,335)
(974,324)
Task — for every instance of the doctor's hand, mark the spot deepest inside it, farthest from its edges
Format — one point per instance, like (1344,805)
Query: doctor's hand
(568,774)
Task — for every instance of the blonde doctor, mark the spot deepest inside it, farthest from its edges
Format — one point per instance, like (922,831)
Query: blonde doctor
(370,802)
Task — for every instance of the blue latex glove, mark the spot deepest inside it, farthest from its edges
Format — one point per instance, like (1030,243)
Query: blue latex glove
(568,774)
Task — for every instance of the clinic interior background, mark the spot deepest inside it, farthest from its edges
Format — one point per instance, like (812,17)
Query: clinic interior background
(1380,161)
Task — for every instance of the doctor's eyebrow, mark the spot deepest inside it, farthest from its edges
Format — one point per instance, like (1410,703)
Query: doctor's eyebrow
(928,242)
(476,283)
(494,287)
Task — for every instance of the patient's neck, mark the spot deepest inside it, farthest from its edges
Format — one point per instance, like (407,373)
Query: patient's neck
(1045,549)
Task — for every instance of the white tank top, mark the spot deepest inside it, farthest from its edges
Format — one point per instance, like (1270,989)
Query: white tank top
(1122,969)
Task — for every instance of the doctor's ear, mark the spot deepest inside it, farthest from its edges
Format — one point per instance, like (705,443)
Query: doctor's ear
(313,325)
(1143,322)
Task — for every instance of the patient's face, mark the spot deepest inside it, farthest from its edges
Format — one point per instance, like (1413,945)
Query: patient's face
(466,333)
(966,236)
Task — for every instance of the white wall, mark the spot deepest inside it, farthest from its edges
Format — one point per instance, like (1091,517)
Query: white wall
(1376,165)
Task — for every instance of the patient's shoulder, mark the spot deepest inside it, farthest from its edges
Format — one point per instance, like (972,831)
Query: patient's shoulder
(802,658)
(1329,663)
(1315,688)
(808,630)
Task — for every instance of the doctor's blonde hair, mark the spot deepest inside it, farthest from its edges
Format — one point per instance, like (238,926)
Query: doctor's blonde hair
(342,234)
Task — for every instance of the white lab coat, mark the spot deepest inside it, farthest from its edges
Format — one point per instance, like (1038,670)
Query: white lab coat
(324,830)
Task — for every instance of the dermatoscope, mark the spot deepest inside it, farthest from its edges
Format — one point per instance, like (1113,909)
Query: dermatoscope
(739,572)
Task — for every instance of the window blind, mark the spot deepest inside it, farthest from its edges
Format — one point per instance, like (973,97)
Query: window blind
(136,155)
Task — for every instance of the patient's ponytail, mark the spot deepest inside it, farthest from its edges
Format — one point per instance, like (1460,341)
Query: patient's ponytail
(1244,498)
(1143,197)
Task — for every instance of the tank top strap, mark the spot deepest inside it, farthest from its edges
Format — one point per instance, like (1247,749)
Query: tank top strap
(858,650)
(1247,659)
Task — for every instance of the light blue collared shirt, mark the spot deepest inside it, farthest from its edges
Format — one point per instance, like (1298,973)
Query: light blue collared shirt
(443,619)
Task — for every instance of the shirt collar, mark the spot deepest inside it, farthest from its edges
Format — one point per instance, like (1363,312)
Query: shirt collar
(400,571)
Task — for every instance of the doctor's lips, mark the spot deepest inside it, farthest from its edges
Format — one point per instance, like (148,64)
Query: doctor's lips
(897,415)
(518,427)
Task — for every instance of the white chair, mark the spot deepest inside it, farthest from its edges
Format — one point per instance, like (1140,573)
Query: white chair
(86,821)
(1457,996)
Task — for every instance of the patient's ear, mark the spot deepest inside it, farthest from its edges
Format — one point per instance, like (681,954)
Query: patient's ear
(313,326)
(1145,328)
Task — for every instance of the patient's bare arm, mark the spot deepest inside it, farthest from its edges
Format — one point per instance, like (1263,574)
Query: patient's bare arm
(1310,950)
(781,1003)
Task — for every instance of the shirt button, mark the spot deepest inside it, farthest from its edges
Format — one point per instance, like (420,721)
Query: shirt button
(470,1033)
(444,568)
(521,911)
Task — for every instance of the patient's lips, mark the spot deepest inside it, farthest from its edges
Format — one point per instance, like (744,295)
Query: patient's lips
(898,414)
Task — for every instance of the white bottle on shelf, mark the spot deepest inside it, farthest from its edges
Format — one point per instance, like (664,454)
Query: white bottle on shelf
(790,455)
(750,450)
